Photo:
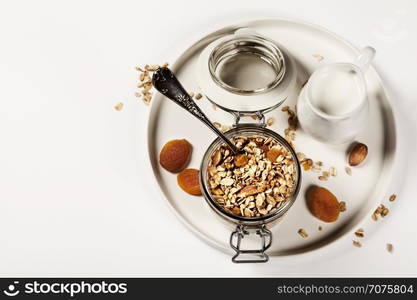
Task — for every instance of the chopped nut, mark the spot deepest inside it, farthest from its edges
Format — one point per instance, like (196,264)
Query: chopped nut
(390,248)
(333,171)
(198,96)
(151,68)
(357,244)
(360,233)
(392,197)
(270,121)
(191,94)
(217,124)
(118,106)
(380,211)
(323,178)
(301,156)
(342,206)
(214,106)
(215,160)
(302,233)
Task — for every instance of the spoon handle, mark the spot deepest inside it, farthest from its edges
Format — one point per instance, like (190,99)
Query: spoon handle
(165,82)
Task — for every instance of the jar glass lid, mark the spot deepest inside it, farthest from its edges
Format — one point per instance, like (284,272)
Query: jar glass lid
(245,72)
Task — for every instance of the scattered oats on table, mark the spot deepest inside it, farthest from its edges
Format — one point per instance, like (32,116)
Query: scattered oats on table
(390,248)
(254,183)
(302,233)
(118,106)
(198,96)
(145,82)
(357,244)
(191,94)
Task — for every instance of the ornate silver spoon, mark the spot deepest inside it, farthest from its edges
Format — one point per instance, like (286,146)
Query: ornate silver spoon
(166,83)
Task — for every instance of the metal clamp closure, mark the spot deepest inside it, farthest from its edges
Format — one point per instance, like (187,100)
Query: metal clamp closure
(259,116)
(236,239)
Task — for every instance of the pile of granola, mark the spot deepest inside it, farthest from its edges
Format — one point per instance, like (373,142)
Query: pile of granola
(256,182)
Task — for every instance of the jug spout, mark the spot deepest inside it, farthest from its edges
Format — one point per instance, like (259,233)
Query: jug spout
(364,59)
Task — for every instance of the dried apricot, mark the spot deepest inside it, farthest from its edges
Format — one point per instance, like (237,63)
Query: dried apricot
(188,181)
(241,160)
(175,155)
(323,204)
(273,154)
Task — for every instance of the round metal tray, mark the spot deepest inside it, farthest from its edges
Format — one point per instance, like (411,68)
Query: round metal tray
(311,47)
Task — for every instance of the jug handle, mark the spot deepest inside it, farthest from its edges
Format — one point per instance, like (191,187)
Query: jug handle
(365,58)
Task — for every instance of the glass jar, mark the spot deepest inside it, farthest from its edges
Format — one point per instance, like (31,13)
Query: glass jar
(245,225)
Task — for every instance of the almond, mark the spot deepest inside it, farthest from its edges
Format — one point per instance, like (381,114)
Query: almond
(358,154)
(217,157)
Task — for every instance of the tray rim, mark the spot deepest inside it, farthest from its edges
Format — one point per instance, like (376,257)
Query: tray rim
(190,42)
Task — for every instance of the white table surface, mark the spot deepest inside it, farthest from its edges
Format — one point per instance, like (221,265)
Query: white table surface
(76,194)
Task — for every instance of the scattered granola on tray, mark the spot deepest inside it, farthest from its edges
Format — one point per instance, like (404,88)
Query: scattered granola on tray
(145,81)
(381,211)
(302,233)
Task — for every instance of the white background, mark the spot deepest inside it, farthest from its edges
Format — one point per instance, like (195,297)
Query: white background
(76,193)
